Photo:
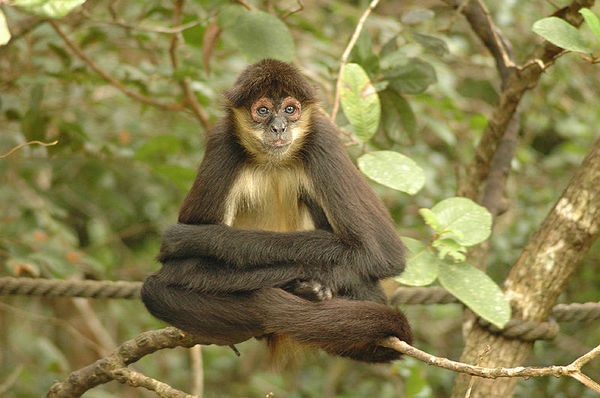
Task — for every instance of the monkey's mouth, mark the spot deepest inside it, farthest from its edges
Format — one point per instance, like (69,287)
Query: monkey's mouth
(278,144)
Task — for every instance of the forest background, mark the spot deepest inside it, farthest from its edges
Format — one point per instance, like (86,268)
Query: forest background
(115,98)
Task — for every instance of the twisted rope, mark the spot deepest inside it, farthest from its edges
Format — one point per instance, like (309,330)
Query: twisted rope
(524,330)
(437,295)
(69,288)
(422,295)
(515,328)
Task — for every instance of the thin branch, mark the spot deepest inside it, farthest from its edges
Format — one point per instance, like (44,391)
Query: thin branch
(130,377)
(586,381)
(293,11)
(110,79)
(572,370)
(94,325)
(346,55)
(185,83)
(244,4)
(584,359)
(23,26)
(138,28)
(11,379)
(197,371)
(483,26)
(75,334)
(35,142)
(474,370)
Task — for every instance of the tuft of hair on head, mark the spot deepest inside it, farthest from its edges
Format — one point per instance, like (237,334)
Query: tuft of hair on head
(270,77)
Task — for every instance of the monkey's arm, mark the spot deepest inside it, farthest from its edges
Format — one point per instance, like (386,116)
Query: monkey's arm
(208,275)
(249,248)
(317,254)
(204,274)
(253,259)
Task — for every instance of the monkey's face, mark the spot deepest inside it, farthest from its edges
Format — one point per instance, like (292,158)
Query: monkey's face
(272,129)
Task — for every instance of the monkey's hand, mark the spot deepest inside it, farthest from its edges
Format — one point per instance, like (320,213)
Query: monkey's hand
(309,289)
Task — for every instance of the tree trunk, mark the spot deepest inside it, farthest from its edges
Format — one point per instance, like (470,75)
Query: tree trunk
(538,277)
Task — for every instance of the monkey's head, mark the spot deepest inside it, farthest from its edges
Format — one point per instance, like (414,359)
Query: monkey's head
(271,103)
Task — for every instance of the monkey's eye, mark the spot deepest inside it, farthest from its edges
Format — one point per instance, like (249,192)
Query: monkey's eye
(262,111)
(290,109)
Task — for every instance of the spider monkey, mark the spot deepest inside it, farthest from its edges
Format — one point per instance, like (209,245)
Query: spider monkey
(280,235)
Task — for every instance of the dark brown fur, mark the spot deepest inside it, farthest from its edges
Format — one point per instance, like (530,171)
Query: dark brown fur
(228,269)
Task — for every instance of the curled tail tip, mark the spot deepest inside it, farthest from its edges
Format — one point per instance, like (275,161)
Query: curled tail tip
(347,328)
(392,324)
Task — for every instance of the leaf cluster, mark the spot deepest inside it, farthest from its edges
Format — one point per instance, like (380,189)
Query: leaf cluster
(564,35)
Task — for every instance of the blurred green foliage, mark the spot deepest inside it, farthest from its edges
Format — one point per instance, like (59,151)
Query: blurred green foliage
(94,204)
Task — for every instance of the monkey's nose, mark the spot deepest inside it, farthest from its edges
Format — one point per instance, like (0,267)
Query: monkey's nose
(278,126)
(278,129)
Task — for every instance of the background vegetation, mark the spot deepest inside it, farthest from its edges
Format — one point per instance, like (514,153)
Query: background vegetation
(127,89)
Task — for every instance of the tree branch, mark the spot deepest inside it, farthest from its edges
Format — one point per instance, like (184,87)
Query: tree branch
(346,55)
(114,366)
(131,27)
(572,370)
(483,26)
(519,80)
(34,142)
(500,48)
(110,79)
(185,82)
(542,271)
(130,377)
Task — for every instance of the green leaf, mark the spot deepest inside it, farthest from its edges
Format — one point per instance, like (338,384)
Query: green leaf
(4,32)
(182,177)
(256,34)
(463,220)
(194,36)
(412,78)
(421,264)
(432,44)
(49,8)
(396,112)
(592,21)
(417,15)
(35,120)
(393,170)
(479,89)
(62,54)
(363,54)
(393,59)
(416,383)
(477,291)
(562,34)
(430,219)
(360,101)
(450,248)
(158,147)
(407,116)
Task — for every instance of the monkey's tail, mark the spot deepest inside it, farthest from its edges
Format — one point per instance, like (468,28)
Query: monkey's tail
(215,319)
(348,328)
